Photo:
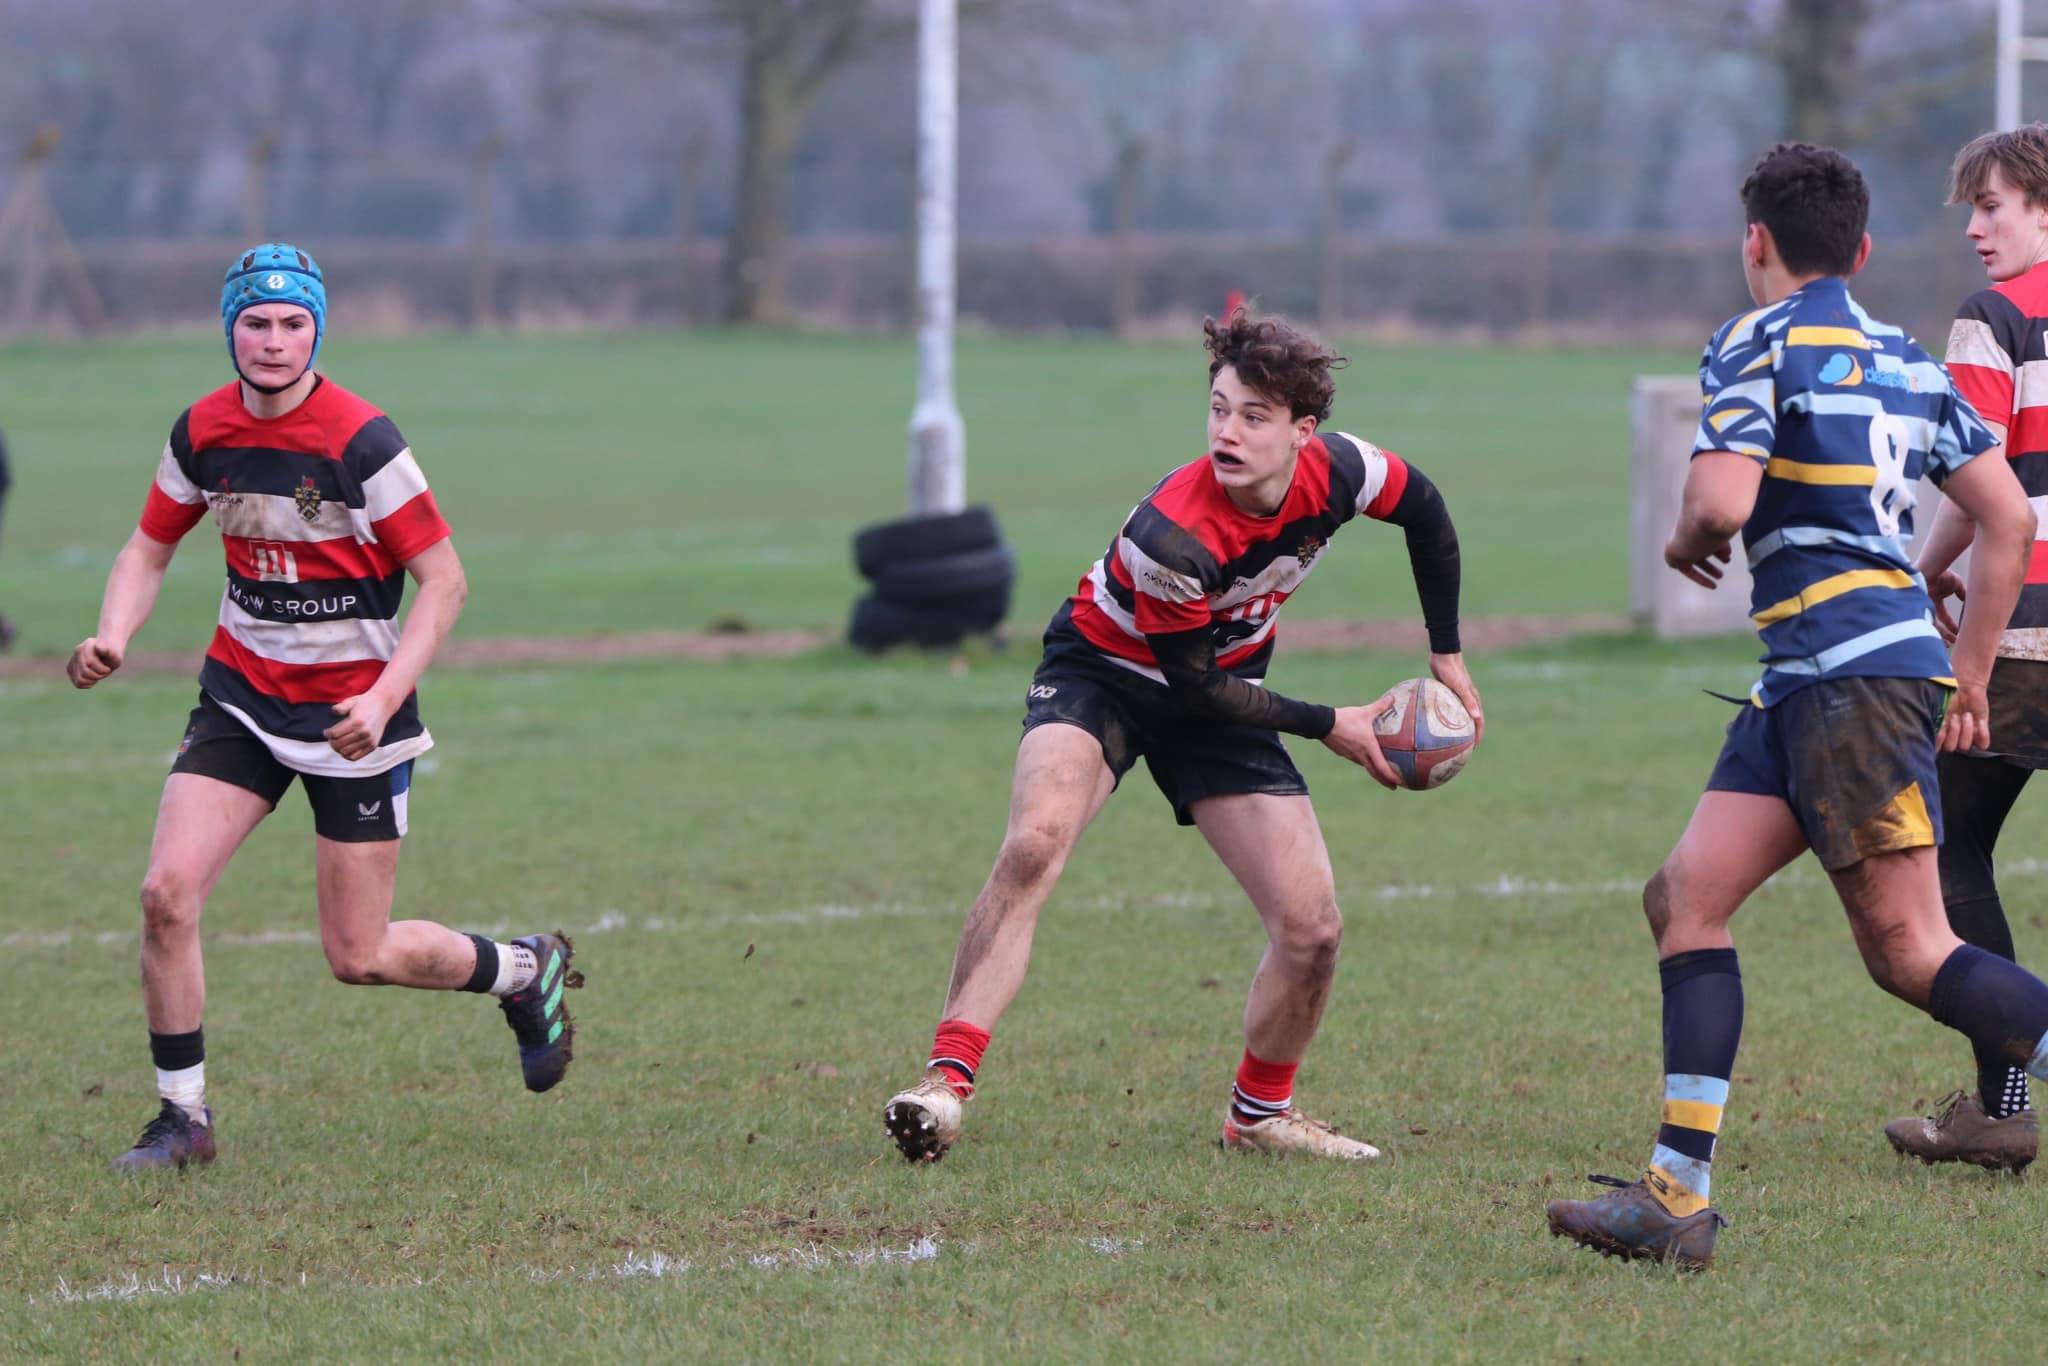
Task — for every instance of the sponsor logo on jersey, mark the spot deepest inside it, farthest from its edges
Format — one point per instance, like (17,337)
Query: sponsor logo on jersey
(1843,369)
(1042,691)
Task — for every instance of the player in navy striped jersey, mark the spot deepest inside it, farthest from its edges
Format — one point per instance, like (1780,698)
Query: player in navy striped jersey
(1817,421)
(1161,652)
(323,513)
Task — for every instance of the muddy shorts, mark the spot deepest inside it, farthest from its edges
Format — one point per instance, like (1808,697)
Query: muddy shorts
(1852,757)
(348,810)
(2019,712)
(1190,757)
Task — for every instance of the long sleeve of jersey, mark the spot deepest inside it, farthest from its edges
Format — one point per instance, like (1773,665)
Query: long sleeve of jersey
(1432,558)
(1188,659)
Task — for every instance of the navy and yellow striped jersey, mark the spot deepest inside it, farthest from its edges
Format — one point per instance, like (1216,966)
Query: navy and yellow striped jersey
(1844,413)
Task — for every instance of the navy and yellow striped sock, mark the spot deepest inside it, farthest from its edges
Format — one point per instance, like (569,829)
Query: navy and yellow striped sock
(1702,1028)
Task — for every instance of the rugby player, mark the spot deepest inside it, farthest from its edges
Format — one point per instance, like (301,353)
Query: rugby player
(323,512)
(2003,177)
(1160,653)
(1818,419)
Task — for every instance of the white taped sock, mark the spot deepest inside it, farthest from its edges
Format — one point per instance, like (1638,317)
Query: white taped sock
(186,1089)
(516,969)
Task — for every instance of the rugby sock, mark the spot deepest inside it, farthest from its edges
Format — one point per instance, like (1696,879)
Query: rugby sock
(2000,1006)
(2002,1085)
(1702,1028)
(1262,1090)
(181,1070)
(956,1051)
(501,969)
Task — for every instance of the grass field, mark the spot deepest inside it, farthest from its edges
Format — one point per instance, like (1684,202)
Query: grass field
(679,481)
(765,863)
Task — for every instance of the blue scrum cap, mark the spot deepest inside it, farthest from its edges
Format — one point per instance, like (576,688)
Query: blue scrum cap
(274,273)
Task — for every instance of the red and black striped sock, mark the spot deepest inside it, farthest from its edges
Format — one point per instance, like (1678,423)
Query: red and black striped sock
(956,1051)
(1263,1090)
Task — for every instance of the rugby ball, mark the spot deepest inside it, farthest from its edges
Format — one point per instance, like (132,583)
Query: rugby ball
(1426,735)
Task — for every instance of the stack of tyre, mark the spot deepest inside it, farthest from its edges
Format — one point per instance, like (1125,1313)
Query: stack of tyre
(937,580)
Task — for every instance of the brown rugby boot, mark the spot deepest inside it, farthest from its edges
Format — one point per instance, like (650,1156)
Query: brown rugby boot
(1962,1131)
(1629,1221)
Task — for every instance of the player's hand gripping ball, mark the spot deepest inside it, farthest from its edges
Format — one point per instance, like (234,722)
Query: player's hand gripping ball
(1426,735)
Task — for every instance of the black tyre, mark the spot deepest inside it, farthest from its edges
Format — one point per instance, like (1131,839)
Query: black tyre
(879,623)
(937,578)
(913,538)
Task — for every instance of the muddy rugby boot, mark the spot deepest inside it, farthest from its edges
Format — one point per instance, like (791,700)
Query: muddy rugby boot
(1293,1132)
(925,1120)
(1629,1222)
(538,1018)
(172,1139)
(1961,1131)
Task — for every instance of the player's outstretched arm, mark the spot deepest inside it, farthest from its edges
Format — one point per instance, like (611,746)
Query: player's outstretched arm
(1188,659)
(1433,559)
(132,587)
(1720,493)
(1991,496)
(443,589)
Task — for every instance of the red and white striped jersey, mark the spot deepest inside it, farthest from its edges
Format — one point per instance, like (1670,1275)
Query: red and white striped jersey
(1187,556)
(1998,360)
(318,510)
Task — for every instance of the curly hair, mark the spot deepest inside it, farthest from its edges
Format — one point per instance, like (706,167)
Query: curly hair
(1275,359)
(1814,201)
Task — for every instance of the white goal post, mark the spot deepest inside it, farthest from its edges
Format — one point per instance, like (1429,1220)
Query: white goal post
(937,476)
(2015,49)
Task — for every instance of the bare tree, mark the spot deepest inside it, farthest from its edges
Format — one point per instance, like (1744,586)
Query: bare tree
(1838,92)
(788,52)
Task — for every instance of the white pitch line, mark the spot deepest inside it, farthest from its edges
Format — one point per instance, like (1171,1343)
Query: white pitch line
(1506,886)
(636,1266)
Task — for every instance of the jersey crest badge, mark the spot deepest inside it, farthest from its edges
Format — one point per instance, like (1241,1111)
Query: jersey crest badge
(308,498)
(1310,548)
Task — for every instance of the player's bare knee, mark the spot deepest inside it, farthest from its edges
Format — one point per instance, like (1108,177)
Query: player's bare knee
(354,967)
(169,910)
(1657,903)
(1313,940)
(1898,959)
(1030,855)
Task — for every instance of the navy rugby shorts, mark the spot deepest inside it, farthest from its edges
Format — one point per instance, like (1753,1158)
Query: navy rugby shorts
(1190,757)
(1852,757)
(348,810)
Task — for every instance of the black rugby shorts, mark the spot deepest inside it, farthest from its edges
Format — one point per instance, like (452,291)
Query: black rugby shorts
(363,810)
(1190,757)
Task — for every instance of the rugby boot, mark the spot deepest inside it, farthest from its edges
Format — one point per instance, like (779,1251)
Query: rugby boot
(1630,1222)
(538,1018)
(925,1120)
(172,1139)
(1293,1132)
(1961,1131)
